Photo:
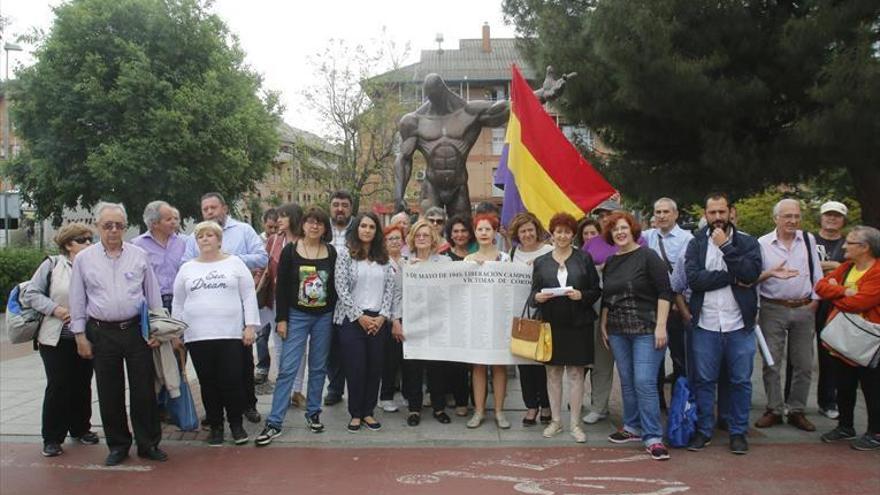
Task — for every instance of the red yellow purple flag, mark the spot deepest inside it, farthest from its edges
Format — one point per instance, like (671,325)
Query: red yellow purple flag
(550,174)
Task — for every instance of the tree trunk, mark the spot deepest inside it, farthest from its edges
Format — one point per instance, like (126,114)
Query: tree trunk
(866,181)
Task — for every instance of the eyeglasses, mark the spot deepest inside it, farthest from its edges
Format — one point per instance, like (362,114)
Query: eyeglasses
(393,239)
(113,225)
(423,236)
(82,240)
(436,221)
(313,221)
(854,243)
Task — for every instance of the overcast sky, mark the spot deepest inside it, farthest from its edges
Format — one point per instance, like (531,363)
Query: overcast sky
(279,36)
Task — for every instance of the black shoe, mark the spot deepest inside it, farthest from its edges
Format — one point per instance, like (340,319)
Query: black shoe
(52,449)
(115,457)
(413,419)
(699,442)
(354,428)
(215,439)
(153,454)
(738,444)
(252,415)
(374,426)
(441,416)
(239,436)
(839,433)
(88,438)
(314,423)
(332,400)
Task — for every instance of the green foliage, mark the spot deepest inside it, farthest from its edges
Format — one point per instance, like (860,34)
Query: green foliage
(16,266)
(695,96)
(136,100)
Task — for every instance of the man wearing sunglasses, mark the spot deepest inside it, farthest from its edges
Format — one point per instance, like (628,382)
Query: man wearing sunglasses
(110,282)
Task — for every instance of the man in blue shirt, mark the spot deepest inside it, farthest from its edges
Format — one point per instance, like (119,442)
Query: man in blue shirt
(669,241)
(239,239)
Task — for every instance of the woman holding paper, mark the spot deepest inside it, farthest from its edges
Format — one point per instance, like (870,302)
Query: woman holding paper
(854,287)
(528,236)
(635,304)
(485,228)
(565,285)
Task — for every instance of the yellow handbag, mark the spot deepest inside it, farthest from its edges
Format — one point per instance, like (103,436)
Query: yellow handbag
(531,339)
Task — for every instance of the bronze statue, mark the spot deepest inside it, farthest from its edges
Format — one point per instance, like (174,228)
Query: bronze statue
(444,129)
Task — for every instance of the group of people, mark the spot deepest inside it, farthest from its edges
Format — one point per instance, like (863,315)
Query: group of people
(326,288)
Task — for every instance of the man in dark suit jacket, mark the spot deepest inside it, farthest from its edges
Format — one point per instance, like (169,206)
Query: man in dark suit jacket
(722,264)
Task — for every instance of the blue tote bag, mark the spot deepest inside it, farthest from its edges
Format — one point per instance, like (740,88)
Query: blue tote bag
(183,409)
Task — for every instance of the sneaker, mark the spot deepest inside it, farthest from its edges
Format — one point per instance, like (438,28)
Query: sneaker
(88,438)
(623,436)
(265,437)
(553,429)
(738,444)
(830,413)
(52,449)
(578,434)
(839,433)
(699,442)
(239,436)
(298,400)
(314,423)
(388,406)
(252,415)
(475,421)
(594,417)
(215,439)
(658,451)
(867,442)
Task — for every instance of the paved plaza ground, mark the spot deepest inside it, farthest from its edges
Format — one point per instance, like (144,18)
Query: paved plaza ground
(428,459)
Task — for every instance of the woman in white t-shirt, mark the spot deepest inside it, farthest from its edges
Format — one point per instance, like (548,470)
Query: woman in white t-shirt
(485,227)
(529,238)
(365,288)
(214,294)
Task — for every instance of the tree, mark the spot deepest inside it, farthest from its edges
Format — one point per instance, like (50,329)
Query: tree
(360,115)
(136,100)
(736,95)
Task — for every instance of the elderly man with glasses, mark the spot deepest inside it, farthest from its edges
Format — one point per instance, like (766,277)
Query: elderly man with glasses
(111,281)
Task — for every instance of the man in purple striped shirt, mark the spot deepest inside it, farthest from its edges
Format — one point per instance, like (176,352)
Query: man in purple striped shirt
(163,246)
(111,280)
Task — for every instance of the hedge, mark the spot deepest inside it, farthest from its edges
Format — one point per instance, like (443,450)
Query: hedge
(17,265)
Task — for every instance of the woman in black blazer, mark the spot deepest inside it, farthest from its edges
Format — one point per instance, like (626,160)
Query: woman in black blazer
(571,318)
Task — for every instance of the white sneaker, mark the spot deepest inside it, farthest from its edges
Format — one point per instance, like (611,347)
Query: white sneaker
(553,429)
(829,413)
(388,406)
(578,434)
(594,417)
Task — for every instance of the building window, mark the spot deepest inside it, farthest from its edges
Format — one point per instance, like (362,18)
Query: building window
(580,136)
(498,134)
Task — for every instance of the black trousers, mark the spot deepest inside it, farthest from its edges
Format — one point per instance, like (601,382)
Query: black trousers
(335,372)
(414,371)
(533,382)
(362,358)
(457,383)
(390,368)
(675,332)
(247,375)
(113,348)
(67,403)
(218,365)
(848,378)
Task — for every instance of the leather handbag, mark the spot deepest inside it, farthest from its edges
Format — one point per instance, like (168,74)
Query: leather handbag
(853,338)
(531,338)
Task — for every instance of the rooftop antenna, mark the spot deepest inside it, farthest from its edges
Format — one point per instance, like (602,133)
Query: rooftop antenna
(439,40)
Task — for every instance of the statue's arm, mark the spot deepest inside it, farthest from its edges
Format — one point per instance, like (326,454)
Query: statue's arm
(408,126)
(490,113)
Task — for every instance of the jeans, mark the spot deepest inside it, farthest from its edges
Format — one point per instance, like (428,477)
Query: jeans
(314,329)
(637,364)
(735,351)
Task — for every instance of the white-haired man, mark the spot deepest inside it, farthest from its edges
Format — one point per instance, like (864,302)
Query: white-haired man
(110,282)
(163,245)
(791,269)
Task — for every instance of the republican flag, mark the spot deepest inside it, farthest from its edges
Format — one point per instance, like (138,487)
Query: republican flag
(540,170)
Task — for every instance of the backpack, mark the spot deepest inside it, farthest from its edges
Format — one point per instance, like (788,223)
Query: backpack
(22,321)
(682,421)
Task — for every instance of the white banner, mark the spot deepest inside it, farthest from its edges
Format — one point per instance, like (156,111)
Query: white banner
(462,311)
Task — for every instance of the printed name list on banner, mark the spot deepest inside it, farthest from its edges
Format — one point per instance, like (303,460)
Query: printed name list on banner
(462,311)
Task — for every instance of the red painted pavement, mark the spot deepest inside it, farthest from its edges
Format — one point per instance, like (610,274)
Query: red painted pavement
(801,469)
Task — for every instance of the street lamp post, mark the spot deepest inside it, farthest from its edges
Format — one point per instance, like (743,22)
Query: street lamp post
(7,47)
